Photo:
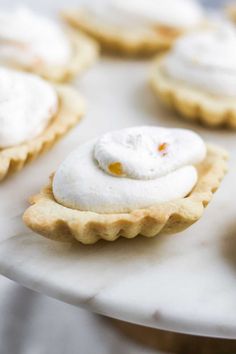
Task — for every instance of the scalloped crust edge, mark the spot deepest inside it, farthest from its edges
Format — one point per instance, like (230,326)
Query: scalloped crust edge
(193,104)
(85,53)
(71,109)
(54,221)
(122,42)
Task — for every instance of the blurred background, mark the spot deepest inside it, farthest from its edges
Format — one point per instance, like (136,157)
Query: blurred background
(31,323)
(49,6)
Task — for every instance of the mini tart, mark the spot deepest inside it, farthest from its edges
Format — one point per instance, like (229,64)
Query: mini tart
(54,221)
(230,11)
(85,51)
(122,41)
(192,103)
(71,108)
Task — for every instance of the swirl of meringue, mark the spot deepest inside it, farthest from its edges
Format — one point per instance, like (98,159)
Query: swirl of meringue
(129,169)
(146,153)
(205,60)
(27,104)
(149,13)
(32,40)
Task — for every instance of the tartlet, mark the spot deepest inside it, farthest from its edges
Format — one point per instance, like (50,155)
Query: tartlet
(71,109)
(193,104)
(230,11)
(55,221)
(142,40)
(124,42)
(34,43)
(206,101)
(85,53)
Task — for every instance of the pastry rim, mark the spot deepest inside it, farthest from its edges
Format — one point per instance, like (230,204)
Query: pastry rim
(70,110)
(123,42)
(54,221)
(192,103)
(85,52)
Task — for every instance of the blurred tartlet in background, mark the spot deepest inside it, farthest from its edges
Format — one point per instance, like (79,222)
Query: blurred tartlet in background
(136,27)
(230,10)
(34,115)
(34,43)
(197,77)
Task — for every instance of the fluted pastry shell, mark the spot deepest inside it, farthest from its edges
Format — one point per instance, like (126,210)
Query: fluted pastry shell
(54,221)
(193,103)
(85,52)
(123,41)
(70,110)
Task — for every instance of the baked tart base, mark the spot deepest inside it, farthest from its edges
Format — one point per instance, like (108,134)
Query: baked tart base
(85,52)
(54,221)
(71,109)
(122,41)
(192,103)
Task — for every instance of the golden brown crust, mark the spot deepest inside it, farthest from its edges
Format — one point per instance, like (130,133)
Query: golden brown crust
(71,109)
(123,41)
(52,220)
(230,11)
(192,103)
(85,51)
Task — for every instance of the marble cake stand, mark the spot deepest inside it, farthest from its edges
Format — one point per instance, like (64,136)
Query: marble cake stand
(184,283)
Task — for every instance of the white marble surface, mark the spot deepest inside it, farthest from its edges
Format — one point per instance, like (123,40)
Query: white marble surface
(183,283)
(32,323)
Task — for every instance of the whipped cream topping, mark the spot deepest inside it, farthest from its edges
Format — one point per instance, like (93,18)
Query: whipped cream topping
(129,169)
(27,103)
(206,59)
(31,40)
(170,13)
(147,153)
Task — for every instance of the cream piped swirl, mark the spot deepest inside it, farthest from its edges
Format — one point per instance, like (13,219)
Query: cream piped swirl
(146,153)
(27,104)
(206,60)
(129,169)
(31,40)
(148,13)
